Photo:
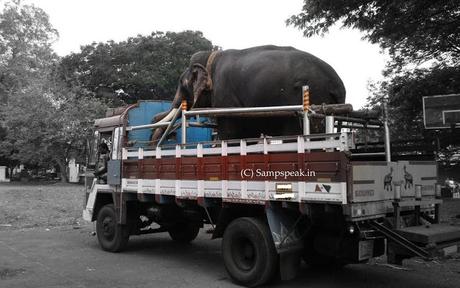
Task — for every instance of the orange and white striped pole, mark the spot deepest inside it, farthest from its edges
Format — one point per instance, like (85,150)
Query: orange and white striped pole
(306,106)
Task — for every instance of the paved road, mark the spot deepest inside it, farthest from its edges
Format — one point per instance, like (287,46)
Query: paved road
(66,257)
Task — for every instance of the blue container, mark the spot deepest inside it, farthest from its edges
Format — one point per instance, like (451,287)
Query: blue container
(143,114)
(195,134)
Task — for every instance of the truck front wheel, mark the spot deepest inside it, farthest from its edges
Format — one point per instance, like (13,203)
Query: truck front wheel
(249,253)
(112,236)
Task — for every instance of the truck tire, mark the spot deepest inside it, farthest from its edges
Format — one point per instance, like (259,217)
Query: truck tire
(184,232)
(112,236)
(249,253)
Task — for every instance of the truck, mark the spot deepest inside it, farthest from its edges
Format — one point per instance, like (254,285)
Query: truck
(324,197)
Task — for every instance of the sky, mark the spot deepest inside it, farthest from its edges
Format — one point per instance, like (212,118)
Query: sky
(232,24)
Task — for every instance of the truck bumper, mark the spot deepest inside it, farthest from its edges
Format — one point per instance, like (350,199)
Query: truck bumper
(87,214)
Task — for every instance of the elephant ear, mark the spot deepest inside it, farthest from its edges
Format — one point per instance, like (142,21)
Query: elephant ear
(200,81)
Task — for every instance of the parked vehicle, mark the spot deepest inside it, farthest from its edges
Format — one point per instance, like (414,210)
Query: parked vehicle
(273,200)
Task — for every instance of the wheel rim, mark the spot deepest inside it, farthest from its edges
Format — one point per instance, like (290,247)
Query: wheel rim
(108,228)
(244,254)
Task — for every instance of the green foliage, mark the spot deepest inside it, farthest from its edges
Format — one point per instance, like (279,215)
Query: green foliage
(49,123)
(416,33)
(412,31)
(48,105)
(143,67)
(26,36)
(44,121)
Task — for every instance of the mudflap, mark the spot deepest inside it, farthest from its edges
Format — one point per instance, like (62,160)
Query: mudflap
(287,237)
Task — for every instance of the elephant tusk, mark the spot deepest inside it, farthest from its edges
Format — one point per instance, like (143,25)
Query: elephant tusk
(169,116)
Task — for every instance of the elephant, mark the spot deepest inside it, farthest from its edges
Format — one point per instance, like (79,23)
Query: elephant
(254,77)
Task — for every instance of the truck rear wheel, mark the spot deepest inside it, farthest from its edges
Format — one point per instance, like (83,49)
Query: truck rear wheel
(112,236)
(249,253)
(184,232)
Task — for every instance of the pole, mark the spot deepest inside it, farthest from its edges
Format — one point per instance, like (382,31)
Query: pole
(184,122)
(396,207)
(330,128)
(242,110)
(306,105)
(437,206)
(329,124)
(387,132)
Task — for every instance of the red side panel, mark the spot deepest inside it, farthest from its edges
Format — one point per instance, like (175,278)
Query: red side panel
(316,166)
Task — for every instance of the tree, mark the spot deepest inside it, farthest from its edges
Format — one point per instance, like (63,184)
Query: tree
(422,38)
(44,121)
(49,123)
(26,36)
(142,67)
(412,31)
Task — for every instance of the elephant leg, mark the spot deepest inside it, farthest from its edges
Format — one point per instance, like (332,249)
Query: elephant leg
(277,126)
(228,128)
(317,126)
(290,126)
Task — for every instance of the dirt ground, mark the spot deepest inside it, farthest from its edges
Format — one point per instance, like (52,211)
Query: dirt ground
(45,243)
(40,205)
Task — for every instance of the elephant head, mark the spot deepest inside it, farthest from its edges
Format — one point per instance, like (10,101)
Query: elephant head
(193,87)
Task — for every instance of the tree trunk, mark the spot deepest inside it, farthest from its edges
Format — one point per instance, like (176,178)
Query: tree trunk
(62,170)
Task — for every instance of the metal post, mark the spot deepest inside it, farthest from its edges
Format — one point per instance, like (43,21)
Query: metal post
(242,110)
(396,207)
(387,132)
(306,105)
(437,206)
(330,128)
(397,193)
(418,192)
(184,122)
(418,197)
(306,124)
(329,124)
(397,215)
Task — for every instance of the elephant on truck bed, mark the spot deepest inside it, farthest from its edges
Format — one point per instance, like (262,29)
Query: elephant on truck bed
(258,76)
